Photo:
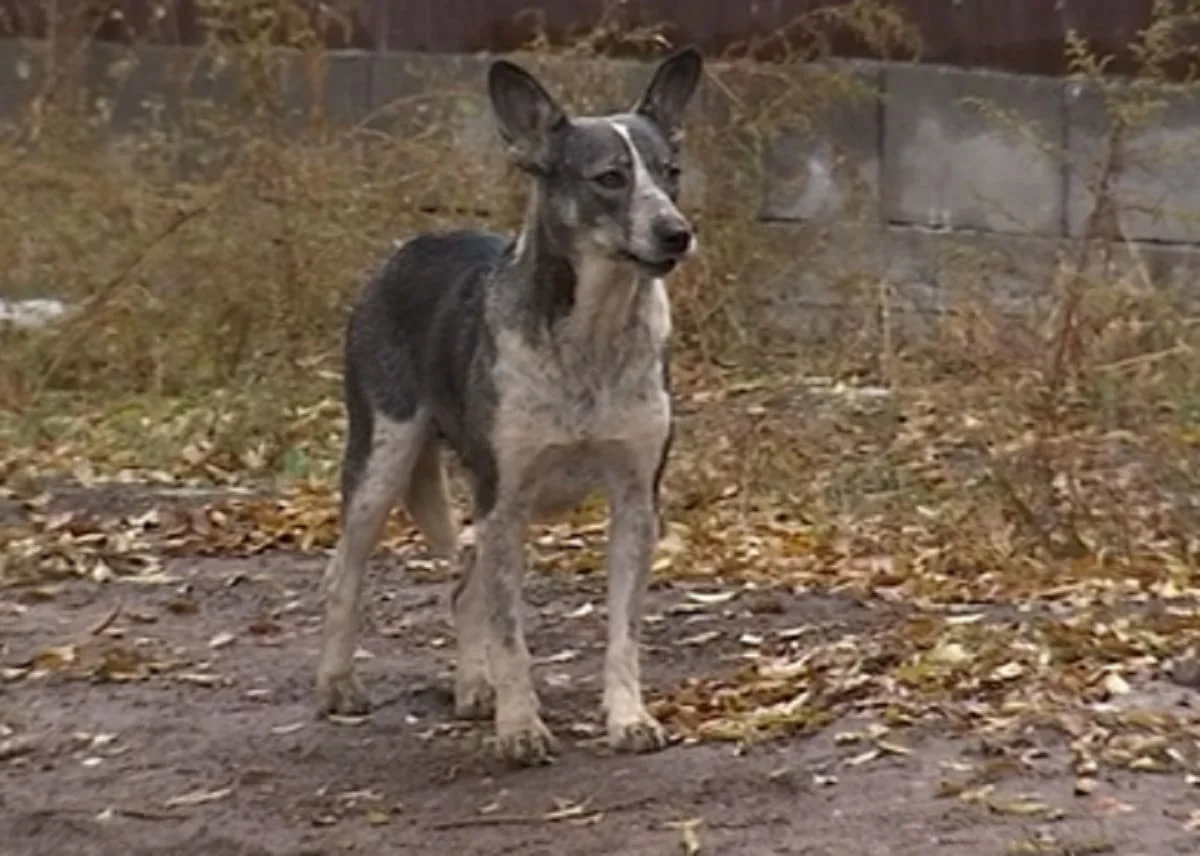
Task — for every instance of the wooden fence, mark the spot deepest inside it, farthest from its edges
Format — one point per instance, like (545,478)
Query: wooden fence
(1012,35)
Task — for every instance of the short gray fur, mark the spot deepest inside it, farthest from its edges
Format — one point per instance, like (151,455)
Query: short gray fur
(542,363)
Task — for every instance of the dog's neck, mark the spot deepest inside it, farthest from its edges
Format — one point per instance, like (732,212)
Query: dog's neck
(590,298)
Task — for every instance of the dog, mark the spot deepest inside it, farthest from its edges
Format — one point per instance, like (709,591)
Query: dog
(542,363)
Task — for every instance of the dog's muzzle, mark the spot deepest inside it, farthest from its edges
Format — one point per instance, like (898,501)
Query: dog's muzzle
(654,267)
(673,240)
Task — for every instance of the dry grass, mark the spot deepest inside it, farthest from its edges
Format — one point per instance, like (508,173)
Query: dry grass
(217,245)
(1007,458)
(211,253)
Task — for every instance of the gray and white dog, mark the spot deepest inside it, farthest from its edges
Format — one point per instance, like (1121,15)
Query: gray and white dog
(542,363)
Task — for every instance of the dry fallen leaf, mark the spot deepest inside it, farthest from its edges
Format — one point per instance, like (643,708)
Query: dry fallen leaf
(893,748)
(582,611)
(343,719)
(1024,807)
(711,598)
(1112,805)
(222,640)
(201,679)
(565,811)
(52,659)
(16,746)
(689,837)
(1012,618)
(196,798)
(863,758)
(1116,685)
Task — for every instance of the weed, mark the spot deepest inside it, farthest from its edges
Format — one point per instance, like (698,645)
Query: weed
(209,250)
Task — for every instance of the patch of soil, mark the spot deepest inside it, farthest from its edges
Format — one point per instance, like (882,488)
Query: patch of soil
(218,752)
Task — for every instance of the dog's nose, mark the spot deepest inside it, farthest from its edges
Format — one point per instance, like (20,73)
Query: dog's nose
(673,236)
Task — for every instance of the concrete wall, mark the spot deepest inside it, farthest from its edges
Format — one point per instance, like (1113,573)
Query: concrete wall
(935,164)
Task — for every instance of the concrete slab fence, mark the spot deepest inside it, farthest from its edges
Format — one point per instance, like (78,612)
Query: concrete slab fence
(938,158)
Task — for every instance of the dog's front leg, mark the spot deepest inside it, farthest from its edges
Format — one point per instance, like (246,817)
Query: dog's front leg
(632,535)
(522,736)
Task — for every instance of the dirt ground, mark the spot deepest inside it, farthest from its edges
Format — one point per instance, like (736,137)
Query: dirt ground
(213,748)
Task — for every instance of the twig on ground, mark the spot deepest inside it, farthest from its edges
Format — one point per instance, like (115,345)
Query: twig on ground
(529,819)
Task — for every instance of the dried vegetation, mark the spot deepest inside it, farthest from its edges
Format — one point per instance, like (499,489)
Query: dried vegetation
(1023,487)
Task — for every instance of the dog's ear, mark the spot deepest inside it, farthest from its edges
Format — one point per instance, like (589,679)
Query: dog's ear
(526,115)
(670,89)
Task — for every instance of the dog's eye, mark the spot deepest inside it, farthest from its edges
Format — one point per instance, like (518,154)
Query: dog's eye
(612,179)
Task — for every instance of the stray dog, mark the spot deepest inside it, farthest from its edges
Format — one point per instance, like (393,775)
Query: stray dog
(542,363)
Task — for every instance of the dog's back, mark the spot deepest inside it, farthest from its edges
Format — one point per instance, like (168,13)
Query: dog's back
(424,305)
(413,333)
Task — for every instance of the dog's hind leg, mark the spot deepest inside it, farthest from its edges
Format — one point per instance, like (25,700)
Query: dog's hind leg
(428,501)
(381,455)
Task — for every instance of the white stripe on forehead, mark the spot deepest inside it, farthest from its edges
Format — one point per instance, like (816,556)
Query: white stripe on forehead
(622,130)
(643,182)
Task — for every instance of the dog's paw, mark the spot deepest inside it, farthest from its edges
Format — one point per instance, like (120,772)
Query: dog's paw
(640,735)
(526,742)
(474,699)
(341,695)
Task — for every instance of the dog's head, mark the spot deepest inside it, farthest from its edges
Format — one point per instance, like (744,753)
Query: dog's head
(608,184)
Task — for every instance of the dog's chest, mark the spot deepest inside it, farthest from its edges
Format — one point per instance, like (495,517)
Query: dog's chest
(566,426)
(562,435)
(579,398)
(587,404)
